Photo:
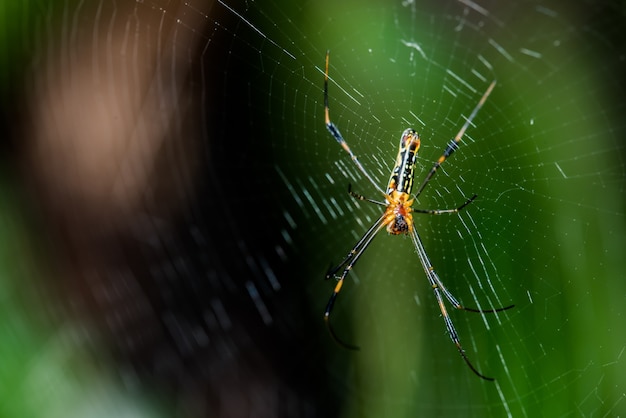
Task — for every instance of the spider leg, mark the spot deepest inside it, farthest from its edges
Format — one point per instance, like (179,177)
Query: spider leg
(439,289)
(454,302)
(334,131)
(361,197)
(453,145)
(440,211)
(454,336)
(347,265)
(364,241)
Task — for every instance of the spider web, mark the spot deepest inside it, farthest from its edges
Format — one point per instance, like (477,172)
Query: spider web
(179,156)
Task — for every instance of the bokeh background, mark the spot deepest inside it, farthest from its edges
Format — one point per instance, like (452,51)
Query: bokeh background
(171,202)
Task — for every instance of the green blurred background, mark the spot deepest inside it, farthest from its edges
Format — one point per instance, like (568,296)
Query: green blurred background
(224,139)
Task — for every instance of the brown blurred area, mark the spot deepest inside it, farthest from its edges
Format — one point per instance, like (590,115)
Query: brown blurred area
(109,99)
(113,146)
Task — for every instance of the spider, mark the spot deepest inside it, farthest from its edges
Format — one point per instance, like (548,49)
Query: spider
(397,217)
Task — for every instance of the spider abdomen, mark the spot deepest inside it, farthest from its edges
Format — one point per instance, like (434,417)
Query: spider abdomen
(402,174)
